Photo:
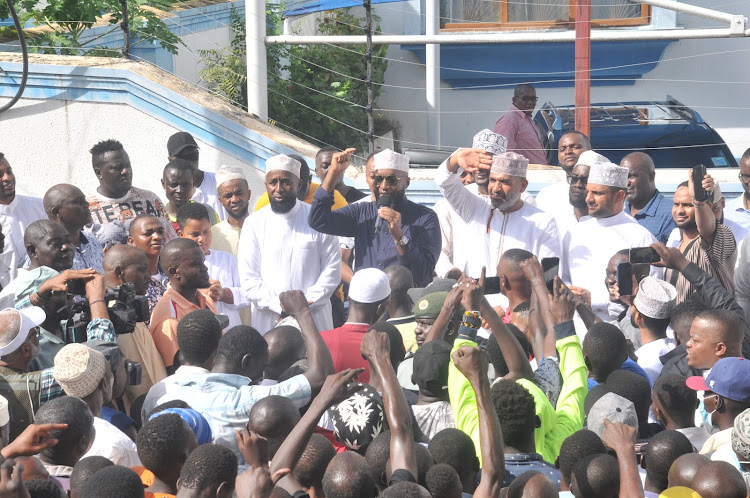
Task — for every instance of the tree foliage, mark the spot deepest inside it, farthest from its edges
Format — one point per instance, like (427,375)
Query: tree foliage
(67,22)
(315,91)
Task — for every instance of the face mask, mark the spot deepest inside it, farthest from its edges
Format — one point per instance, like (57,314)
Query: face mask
(706,416)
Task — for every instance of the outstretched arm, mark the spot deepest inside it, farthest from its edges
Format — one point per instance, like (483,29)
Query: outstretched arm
(473,363)
(376,348)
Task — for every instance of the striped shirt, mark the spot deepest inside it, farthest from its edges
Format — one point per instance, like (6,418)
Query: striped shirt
(717,260)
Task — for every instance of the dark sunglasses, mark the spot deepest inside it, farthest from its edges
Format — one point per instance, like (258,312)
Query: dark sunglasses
(392,180)
(572,180)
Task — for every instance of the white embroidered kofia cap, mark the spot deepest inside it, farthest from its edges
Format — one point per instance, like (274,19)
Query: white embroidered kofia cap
(387,159)
(509,163)
(284,163)
(489,141)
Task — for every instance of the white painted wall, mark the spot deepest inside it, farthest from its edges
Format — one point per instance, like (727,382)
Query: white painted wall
(720,95)
(187,62)
(47,142)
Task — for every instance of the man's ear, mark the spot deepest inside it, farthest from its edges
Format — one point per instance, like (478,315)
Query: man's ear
(524,184)
(98,172)
(178,485)
(643,461)
(557,462)
(180,234)
(476,465)
(721,349)
(31,251)
(246,360)
(224,490)
(538,423)
(587,362)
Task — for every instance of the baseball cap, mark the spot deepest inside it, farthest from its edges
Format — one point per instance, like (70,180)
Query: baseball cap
(430,305)
(431,363)
(30,317)
(179,142)
(614,408)
(729,378)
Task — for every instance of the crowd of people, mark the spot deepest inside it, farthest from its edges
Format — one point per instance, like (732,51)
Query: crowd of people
(328,342)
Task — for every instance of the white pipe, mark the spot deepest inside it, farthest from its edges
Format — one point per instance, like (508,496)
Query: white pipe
(432,72)
(690,9)
(515,37)
(257,82)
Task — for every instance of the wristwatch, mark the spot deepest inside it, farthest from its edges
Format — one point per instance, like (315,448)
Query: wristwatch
(402,241)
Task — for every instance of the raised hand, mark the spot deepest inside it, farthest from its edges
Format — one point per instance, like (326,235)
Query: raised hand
(562,302)
(253,447)
(471,361)
(532,269)
(33,440)
(257,482)
(294,303)
(470,160)
(341,160)
(374,343)
(671,257)
(473,291)
(337,386)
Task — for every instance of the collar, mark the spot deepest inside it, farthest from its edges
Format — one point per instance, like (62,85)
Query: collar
(523,457)
(513,108)
(57,470)
(650,208)
(229,380)
(11,207)
(190,370)
(612,220)
(179,300)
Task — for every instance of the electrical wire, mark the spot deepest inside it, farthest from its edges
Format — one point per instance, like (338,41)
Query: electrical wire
(25,56)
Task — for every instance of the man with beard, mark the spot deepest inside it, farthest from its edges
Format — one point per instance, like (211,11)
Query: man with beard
(569,149)
(17,212)
(279,252)
(409,234)
(592,242)
(507,222)
(644,201)
(67,205)
(182,260)
(701,239)
(234,195)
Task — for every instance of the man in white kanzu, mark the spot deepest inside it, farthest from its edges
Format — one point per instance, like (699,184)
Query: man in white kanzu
(507,222)
(279,252)
(592,241)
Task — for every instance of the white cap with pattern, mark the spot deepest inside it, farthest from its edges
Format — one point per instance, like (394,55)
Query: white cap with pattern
(509,163)
(282,162)
(656,298)
(387,159)
(589,158)
(608,174)
(489,141)
(229,173)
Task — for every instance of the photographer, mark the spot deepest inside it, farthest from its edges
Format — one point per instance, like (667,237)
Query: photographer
(47,283)
(122,265)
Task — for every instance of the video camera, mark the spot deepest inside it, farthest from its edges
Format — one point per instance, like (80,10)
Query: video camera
(127,310)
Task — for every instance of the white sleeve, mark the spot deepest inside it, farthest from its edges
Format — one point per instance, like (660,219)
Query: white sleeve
(330,276)
(466,204)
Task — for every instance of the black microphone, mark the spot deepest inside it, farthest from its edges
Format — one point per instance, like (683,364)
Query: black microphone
(383,200)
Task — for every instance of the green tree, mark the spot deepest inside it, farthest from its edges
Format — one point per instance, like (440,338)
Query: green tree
(316,91)
(68,20)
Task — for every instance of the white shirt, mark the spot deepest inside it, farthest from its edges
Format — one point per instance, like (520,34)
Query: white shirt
(110,442)
(551,197)
(649,354)
(15,219)
(167,386)
(280,252)
(528,228)
(591,244)
(739,232)
(207,194)
(735,211)
(222,266)
(697,436)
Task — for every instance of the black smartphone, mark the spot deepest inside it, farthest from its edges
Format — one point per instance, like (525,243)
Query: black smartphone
(699,172)
(644,255)
(625,278)
(550,269)
(491,285)
(77,287)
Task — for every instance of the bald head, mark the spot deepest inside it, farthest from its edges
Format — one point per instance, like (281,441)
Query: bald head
(286,346)
(532,484)
(719,480)
(510,273)
(273,418)
(639,160)
(136,224)
(348,476)
(596,476)
(400,279)
(176,251)
(122,255)
(40,230)
(56,196)
(683,470)
(641,179)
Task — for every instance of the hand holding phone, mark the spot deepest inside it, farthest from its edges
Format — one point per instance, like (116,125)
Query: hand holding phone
(644,255)
(698,174)
(625,278)
(550,269)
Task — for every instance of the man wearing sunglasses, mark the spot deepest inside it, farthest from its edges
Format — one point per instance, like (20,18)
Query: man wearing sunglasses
(410,233)
(569,148)
(517,125)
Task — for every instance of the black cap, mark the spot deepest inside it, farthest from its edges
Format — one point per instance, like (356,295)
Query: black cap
(179,141)
(431,367)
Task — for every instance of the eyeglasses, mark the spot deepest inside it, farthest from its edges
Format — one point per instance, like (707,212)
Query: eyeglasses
(744,178)
(392,180)
(572,180)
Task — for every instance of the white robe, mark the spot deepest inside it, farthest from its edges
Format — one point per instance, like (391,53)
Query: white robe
(222,266)
(555,200)
(527,228)
(207,194)
(591,244)
(14,219)
(280,252)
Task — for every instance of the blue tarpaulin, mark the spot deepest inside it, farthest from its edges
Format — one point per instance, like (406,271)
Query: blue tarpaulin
(302,8)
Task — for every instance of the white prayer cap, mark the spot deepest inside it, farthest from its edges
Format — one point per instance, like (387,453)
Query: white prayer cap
(489,141)
(369,285)
(509,163)
(228,173)
(589,158)
(283,163)
(387,159)
(608,174)
(656,298)
(20,322)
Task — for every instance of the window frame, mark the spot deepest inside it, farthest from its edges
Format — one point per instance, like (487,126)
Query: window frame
(505,25)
